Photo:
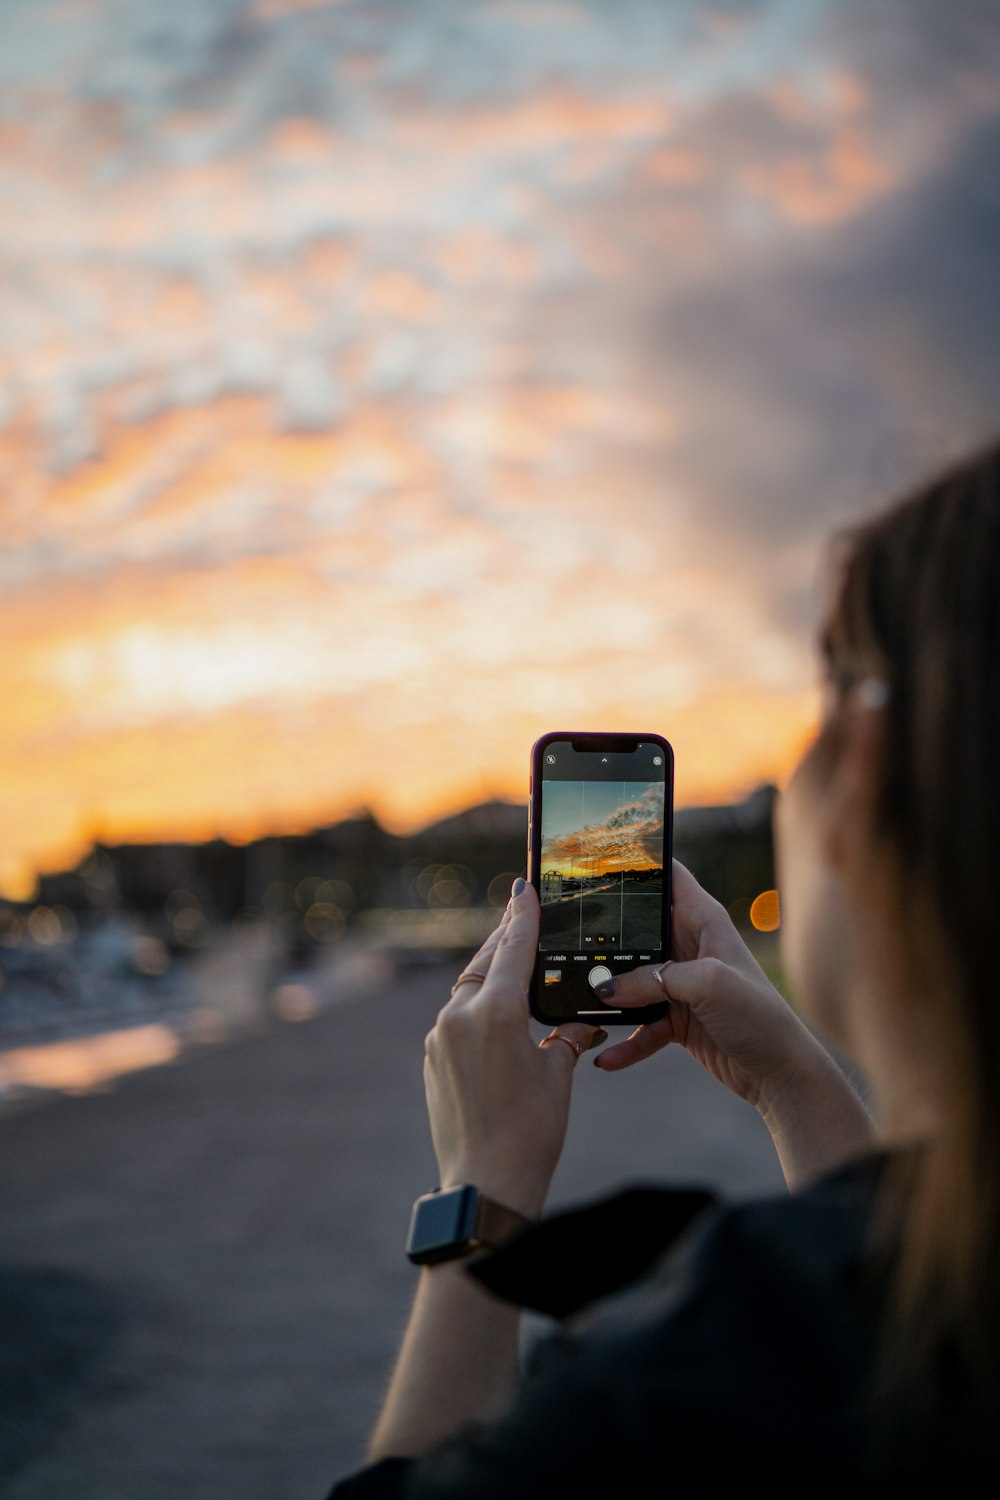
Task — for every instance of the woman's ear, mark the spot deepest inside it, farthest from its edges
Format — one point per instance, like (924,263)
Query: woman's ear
(852,790)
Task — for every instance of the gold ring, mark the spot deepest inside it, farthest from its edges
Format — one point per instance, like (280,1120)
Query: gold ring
(468,976)
(553,1036)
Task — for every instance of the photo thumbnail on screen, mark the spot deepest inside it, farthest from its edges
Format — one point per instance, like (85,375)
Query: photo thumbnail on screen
(601,865)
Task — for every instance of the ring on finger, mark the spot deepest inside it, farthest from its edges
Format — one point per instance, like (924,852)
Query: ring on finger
(658,973)
(554,1036)
(468,976)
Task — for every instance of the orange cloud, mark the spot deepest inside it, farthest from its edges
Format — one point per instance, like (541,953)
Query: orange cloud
(827,189)
(400,294)
(302,139)
(329,262)
(478,254)
(559,114)
(674,166)
(192,457)
(273,10)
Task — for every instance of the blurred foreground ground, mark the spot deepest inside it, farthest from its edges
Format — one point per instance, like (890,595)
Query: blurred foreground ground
(201,1270)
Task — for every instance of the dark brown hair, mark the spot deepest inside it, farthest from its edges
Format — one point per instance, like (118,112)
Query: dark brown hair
(917,604)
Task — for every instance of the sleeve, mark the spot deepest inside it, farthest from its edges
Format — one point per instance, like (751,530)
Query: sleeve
(549,1436)
(381,1481)
(745,1350)
(562,1436)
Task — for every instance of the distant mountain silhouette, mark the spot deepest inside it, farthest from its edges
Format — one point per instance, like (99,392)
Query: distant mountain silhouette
(728,847)
(496,817)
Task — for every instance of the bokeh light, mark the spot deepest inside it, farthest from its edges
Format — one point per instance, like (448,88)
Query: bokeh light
(765,912)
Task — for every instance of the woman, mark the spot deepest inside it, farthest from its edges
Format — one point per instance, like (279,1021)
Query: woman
(847,1334)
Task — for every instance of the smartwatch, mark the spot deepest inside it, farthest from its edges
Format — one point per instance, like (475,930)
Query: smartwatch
(451,1222)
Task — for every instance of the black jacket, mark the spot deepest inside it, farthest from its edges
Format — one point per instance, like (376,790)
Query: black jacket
(732,1345)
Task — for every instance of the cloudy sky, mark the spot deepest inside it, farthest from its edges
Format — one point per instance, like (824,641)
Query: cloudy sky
(383,384)
(595,822)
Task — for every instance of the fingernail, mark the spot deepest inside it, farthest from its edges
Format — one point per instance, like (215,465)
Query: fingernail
(597,1062)
(599,1038)
(518,886)
(606,990)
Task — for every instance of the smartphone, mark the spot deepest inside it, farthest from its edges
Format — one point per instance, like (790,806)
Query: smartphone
(600,832)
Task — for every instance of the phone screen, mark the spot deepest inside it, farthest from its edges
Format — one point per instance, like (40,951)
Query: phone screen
(601,865)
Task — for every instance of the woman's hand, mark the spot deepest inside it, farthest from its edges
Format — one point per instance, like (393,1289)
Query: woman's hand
(724,1010)
(498,1106)
(726,1013)
(498,1102)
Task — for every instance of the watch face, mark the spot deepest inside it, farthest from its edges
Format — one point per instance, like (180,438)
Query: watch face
(441,1225)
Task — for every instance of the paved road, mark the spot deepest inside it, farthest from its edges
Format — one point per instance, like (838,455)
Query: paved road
(201,1273)
(624,918)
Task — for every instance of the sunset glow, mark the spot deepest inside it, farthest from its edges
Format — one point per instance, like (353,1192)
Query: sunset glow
(378,392)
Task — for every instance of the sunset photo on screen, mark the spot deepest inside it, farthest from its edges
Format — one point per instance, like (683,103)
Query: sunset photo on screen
(602,864)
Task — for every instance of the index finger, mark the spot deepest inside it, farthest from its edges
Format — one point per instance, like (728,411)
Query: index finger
(514,958)
(479,963)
